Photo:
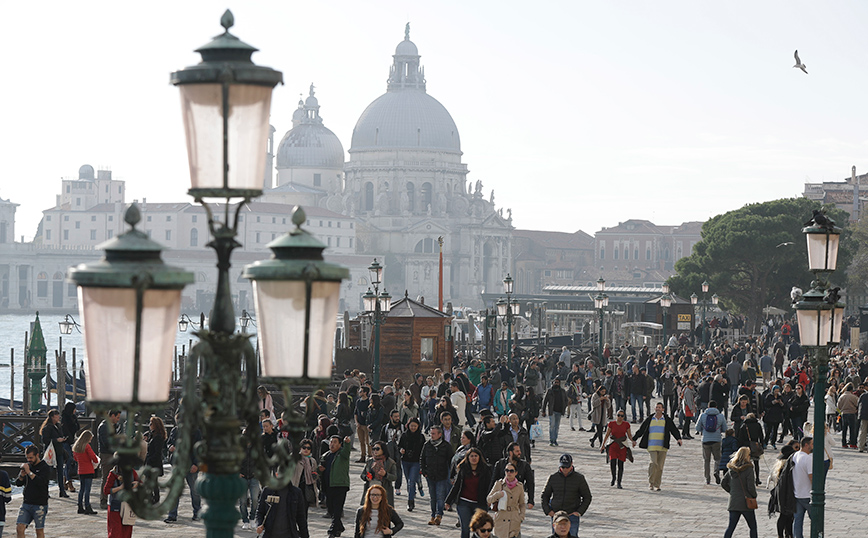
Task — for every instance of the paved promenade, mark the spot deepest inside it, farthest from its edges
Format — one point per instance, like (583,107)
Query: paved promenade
(684,507)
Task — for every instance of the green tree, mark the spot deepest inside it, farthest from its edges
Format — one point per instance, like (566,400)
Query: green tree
(753,256)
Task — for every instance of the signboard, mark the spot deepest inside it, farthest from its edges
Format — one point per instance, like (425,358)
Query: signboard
(685,317)
(684,326)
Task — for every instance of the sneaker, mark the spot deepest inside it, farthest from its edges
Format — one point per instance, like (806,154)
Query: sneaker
(195,518)
(717,477)
(421,491)
(457,524)
(170,519)
(397,491)
(572,428)
(245,526)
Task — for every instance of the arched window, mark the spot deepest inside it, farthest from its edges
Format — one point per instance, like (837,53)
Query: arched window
(425,196)
(602,253)
(626,253)
(418,247)
(635,253)
(429,245)
(411,196)
(42,284)
(648,253)
(616,251)
(57,276)
(368,200)
(194,237)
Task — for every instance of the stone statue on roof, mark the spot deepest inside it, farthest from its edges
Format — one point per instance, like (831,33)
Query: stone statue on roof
(407,32)
(311,89)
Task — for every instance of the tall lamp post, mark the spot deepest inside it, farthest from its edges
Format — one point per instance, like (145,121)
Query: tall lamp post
(714,300)
(820,315)
(226,102)
(377,305)
(540,311)
(601,301)
(508,309)
(665,303)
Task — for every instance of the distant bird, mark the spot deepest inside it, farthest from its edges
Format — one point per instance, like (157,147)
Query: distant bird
(788,243)
(799,63)
(820,219)
(796,294)
(832,295)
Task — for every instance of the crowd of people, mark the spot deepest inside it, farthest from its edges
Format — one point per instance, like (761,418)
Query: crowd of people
(465,439)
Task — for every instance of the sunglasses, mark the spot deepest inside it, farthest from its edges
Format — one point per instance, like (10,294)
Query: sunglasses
(486,530)
(375,495)
(376,449)
(306,448)
(621,416)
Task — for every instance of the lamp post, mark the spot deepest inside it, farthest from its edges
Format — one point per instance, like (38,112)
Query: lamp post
(508,309)
(665,303)
(820,316)
(540,311)
(225,101)
(601,301)
(377,305)
(714,300)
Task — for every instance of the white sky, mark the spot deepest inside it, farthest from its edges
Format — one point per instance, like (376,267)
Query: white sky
(579,114)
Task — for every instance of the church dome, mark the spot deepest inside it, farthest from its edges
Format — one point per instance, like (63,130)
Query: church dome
(406,116)
(309,144)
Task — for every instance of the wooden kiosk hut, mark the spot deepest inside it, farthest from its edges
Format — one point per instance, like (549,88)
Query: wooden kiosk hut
(414,338)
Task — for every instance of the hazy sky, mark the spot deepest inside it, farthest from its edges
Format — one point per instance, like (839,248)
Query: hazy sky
(579,114)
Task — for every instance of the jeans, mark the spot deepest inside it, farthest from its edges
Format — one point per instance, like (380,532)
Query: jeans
(437,490)
(554,426)
(803,506)
(59,456)
(796,424)
(670,403)
(771,433)
(465,510)
(734,516)
(195,499)
(411,474)
(576,414)
(84,492)
(634,399)
(574,525)
(733,392)
(619,403)
(69,467)
(251,493)
(848,423)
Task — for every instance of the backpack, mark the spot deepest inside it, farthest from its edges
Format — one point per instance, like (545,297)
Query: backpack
(710,422)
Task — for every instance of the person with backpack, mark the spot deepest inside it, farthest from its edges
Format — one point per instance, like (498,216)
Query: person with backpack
(711,425)
(781,499)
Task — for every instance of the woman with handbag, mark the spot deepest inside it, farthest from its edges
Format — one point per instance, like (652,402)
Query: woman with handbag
(742,492)
(750,435)
(86,458)
(508,501)
(601,412)
(52,436)
(113,485)
(305,474)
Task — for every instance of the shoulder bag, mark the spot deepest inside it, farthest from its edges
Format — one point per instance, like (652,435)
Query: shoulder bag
(128,517)
(750,502)
(756,449)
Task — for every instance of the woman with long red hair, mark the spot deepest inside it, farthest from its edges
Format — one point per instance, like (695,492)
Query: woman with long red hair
(376,516)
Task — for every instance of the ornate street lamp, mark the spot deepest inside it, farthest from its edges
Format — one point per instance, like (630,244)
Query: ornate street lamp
(225,102)
(601,301)
(67,325)
(694,300)
(377,305)
(820,316)
(665,303)
(508,308)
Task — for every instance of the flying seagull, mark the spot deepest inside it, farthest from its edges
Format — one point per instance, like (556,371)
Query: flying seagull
(799,63)
(786,244)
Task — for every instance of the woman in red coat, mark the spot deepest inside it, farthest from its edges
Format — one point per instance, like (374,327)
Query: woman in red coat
(86,458)
(114,484)
(619,431)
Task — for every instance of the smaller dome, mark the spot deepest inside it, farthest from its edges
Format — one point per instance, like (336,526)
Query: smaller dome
(85,172)
(406,48)
(311,102)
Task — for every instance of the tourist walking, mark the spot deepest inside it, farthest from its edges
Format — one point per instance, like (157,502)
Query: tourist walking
(482,525)
(69,427)
(282,513)
(376,517)
(114,485)
(618,451)
(574,396)
(410,447)
(554,404)
(51,434)
(773,415)
(34,506)
(801,476)
(561,526)
(654,434)
(361,414)
(566,490)
(105,450)
(750,435)
(380,470)
(601,413)
(86,458)
(742,492)
(523,470)
(470,489)
(334,471)
(434,465)
(507,497)
(156,446)
(711,425)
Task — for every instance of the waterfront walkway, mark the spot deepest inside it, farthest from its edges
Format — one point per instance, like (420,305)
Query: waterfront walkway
(684,507)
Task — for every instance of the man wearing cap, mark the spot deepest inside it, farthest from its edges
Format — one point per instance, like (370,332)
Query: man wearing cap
(561,526)
(566,490)
(654,435)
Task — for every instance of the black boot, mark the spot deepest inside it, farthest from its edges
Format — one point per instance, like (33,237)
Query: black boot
(81,509)
(411,505)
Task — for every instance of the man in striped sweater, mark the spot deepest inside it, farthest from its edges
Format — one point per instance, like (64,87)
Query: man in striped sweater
(654,435)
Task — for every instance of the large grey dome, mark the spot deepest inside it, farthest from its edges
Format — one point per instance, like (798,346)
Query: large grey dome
(406,118)
(309,144)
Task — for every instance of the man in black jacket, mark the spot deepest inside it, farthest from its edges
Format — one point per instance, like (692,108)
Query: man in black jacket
(567,490)
(34,477)
(523,471)
(436,457)
(195,499)
(105,451)
(490,441)
(555,403)
(282,513)
(513,432)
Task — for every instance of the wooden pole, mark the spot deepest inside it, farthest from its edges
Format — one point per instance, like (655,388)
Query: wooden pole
(74,375)
(25,388)
(12,380)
